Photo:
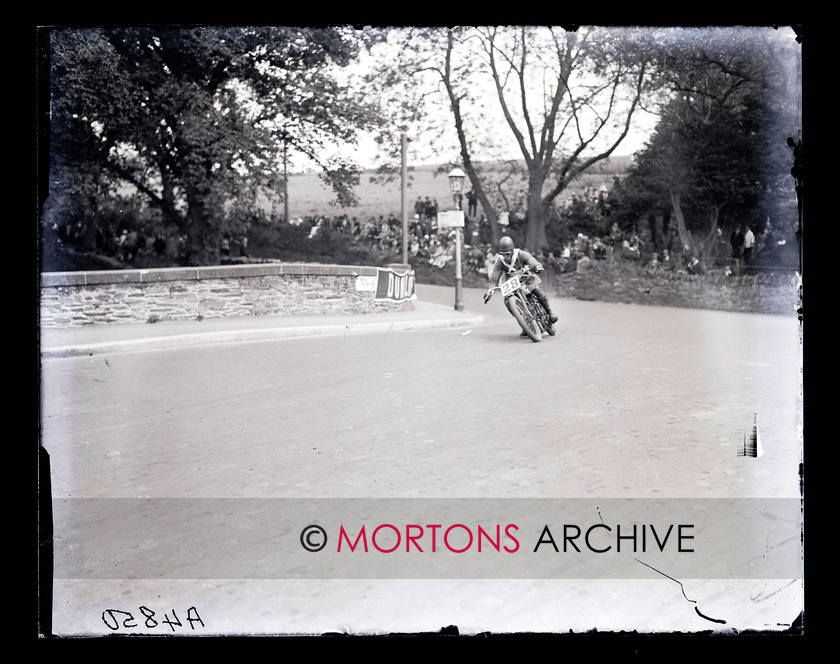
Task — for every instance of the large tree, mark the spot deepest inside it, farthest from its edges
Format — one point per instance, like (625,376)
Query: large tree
(563,100)
(196,120)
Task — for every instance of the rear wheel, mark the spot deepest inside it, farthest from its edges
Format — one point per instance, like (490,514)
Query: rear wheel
(524,317)
(542,316)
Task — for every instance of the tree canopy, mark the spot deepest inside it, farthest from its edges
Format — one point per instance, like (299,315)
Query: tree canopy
(729,103)
(194,121)
(193,125)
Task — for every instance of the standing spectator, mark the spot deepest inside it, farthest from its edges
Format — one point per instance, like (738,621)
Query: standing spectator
(427,209)
(183,249)
(736,241)
(766,240)
(472,203)
(224,249)
(159,244)
(489,262)
(121,244)
(484,234)
(749,246)
(130,246)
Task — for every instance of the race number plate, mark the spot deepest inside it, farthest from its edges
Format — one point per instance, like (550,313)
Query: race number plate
(510,286)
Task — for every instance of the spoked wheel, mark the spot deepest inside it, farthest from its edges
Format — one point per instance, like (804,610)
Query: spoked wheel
(549,327)
(524,317)
(541,315)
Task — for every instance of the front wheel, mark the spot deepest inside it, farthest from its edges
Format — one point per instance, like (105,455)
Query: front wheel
(526,321)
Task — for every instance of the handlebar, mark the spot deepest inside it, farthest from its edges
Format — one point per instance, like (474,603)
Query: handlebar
(524,270)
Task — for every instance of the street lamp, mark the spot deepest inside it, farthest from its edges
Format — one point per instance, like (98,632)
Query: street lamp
(456,186)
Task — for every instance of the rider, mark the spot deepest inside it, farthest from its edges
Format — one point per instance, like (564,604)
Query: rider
(509,260)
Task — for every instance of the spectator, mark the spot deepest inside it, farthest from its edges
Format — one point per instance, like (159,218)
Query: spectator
(427,208)
(695,266)
(472,203)
(552,266)
(749,246)
(615,234)
(121,244)
(159,244)
(130,245)
(632,248)
(316,229)
(736,241)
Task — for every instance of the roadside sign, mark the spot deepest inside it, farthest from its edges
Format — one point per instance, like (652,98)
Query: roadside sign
(450,219)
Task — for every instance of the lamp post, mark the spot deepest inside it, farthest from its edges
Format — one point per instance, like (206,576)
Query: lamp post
(456,186)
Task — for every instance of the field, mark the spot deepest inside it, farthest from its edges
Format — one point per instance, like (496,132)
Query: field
(308,196)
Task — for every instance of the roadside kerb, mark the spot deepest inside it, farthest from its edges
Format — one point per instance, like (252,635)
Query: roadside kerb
(252,335)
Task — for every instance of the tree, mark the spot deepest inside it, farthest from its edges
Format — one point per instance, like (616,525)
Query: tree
(716,150)
(195,120)
(566,98)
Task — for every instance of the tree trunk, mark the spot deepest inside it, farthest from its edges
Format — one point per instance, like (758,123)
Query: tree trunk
(203,238)
(682,232)
(535,237)
(709,243)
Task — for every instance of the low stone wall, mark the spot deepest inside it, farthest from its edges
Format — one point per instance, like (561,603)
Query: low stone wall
(146,296)
(761,292)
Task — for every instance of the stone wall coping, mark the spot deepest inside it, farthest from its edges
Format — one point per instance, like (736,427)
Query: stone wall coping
(158,275)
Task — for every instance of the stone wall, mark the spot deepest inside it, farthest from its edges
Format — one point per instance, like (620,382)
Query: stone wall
(141,296)
(762,292)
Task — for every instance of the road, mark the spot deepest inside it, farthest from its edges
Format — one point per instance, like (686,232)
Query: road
(625,402)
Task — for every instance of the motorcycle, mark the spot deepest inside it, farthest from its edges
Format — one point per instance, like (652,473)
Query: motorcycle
(523,305)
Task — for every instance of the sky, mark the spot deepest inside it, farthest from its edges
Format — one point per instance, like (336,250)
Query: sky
(369,153)
(420,152)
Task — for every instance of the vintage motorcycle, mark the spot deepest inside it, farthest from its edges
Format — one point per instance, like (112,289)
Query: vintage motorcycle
(523,305)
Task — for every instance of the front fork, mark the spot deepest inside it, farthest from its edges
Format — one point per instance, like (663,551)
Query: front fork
(526,298)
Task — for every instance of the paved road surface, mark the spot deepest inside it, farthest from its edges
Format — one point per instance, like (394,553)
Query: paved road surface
(152,451)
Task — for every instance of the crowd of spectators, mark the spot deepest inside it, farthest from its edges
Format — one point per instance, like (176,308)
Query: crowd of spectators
(382,236)
(425,241)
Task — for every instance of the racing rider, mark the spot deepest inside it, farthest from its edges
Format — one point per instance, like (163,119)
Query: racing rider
(509,260)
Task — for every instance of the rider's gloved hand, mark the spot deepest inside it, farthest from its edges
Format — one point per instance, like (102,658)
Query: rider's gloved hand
(539,267)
